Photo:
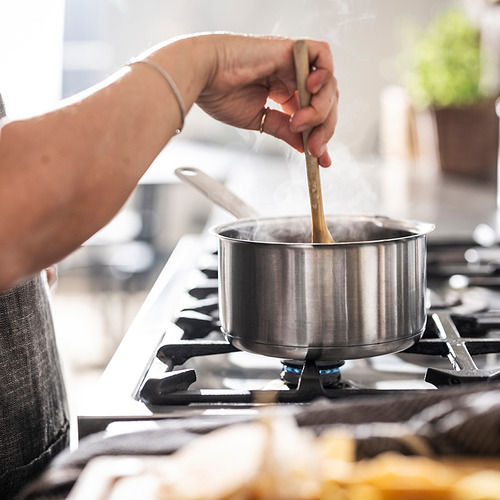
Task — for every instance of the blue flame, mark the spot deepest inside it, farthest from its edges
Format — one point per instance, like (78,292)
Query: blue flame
(322,371)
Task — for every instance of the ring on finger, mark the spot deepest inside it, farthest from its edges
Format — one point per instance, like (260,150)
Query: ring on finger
(263,120)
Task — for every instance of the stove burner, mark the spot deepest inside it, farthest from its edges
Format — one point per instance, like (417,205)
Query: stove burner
(329,373)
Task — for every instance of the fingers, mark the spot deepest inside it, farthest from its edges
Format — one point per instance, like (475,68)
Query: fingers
(320,55)
(277,124)
(322,109)
(321,134)
(325,159)
(320,116)
(51,273)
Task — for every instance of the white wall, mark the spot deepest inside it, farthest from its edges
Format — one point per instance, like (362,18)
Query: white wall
(31,35)
(364,35)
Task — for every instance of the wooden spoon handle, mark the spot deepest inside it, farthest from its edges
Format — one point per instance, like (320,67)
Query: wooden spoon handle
(320,233)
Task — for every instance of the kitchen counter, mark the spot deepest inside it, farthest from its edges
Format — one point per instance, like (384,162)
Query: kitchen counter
(459,206)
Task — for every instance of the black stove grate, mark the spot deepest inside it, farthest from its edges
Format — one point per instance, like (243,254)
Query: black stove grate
(457,337)
(170,390)
(441,338)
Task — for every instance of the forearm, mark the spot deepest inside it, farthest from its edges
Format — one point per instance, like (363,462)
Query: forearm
(66,173)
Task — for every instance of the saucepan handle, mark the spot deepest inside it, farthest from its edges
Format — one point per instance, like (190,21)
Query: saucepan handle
(216,192)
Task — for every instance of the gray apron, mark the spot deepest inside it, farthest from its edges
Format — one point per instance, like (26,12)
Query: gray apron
(33,416)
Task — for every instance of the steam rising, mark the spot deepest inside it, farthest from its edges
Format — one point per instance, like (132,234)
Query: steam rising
(344,229)
(345,191)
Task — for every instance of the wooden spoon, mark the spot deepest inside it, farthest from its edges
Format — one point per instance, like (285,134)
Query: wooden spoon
(320,233)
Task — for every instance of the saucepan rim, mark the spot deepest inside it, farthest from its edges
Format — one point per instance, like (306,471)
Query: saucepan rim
(414,228)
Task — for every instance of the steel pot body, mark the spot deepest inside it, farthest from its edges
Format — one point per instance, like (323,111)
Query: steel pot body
(362,296)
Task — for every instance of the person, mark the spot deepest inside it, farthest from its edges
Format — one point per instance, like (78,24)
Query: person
(65,173)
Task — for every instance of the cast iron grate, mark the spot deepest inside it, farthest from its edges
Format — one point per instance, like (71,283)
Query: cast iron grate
(453,336)
(441,338)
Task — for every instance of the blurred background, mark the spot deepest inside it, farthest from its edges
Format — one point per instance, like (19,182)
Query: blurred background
(387,127)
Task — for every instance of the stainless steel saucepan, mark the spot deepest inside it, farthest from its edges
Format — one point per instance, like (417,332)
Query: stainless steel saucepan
(285,297)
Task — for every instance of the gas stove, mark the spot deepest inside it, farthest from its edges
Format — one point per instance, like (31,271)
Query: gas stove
(175,362)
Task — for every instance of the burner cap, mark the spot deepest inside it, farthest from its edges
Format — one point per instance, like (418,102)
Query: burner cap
(329,372)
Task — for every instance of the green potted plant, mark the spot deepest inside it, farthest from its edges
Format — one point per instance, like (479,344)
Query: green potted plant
(455,121)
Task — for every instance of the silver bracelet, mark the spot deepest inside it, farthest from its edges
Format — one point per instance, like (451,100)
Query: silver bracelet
(168,78)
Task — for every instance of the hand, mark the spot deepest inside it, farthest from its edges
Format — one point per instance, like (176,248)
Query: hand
(249,70)
(51,273)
